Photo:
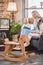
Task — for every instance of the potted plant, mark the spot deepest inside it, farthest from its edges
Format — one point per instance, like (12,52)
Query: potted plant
(14,29)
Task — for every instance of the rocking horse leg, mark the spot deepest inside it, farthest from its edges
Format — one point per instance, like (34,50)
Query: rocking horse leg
(26,39)
(21,41)
(7,49)
(23,38)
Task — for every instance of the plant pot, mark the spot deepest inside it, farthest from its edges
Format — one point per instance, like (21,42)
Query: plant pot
(14,37)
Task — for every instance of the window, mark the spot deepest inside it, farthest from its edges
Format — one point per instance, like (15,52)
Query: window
(31,5)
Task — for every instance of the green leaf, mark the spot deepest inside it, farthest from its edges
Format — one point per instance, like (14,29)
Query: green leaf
(14,27)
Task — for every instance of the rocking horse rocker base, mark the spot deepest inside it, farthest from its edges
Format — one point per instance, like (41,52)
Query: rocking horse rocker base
(11,56)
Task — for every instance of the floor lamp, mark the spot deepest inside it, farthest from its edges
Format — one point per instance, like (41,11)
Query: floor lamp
(12,7)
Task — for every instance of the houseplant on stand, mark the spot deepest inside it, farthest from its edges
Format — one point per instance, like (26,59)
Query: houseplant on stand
(14,30)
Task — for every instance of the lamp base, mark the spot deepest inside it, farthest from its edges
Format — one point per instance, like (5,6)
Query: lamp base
(13,18)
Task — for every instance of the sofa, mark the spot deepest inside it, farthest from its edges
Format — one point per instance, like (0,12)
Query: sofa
(37,42)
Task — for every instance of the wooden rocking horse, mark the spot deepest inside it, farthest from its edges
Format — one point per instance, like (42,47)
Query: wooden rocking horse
(9,45)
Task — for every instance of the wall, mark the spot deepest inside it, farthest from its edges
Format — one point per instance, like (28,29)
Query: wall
(18,15)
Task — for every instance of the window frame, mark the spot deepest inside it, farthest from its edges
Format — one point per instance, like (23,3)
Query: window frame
(27,8)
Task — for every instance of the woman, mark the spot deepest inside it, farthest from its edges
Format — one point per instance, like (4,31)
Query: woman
(36,17)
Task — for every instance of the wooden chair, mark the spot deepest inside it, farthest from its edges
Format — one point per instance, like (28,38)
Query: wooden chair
(14,56)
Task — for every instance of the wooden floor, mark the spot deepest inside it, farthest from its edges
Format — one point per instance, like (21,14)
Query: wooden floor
(36,60)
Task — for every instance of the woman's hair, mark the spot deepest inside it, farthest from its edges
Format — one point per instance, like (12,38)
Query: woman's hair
(39,22)
(36,13)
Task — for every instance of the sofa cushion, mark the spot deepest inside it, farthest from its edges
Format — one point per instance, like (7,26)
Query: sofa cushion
(35,41)
(35,38)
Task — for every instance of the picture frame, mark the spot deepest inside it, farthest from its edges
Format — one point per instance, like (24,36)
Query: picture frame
(4,24)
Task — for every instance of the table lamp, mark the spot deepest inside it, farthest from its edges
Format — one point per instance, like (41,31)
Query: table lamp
(12,7)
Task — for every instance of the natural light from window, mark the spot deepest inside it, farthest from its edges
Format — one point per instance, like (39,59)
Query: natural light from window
(31,5)
(36,3)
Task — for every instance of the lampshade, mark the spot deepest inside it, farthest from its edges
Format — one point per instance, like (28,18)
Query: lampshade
(12,6)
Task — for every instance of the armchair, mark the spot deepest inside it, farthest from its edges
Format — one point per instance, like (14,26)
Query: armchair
(37,42)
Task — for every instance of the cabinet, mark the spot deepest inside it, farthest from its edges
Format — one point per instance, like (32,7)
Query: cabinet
(4,31)
(3,35)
